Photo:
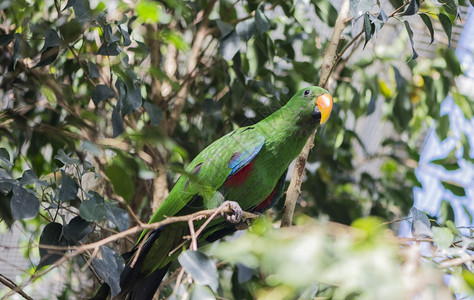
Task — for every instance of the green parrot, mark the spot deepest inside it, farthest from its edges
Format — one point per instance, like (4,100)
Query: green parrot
(247,166)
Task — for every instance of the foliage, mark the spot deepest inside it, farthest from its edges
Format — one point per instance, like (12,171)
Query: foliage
(104,103)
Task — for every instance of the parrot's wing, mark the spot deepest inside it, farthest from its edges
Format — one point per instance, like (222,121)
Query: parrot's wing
(210,169)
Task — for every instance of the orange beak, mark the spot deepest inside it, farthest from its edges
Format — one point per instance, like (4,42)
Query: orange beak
(323,107)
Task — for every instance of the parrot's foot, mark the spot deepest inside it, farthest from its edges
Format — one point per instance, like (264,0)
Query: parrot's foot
(234,217)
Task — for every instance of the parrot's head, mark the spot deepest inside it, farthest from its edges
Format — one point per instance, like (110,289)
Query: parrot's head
(318,100)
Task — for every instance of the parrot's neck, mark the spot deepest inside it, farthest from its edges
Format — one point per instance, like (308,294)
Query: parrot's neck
(286,132)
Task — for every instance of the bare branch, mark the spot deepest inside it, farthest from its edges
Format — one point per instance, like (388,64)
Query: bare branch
(11,285)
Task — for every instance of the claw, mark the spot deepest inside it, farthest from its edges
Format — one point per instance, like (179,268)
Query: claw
(235,216)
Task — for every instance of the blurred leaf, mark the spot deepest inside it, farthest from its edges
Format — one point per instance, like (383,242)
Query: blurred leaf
(6,39)
(71,31)
(109,268)
(29,177)
(5,160)
(443,237)
(93,210)
(325,11)
(117,216)
(447,26)
(102,92)
(262,23)
(109,49)
(200,292)
(360,7)
(21,49)
(121,181)
(69,188)
(450,162)
(412,8)
(125,35)
(93,70)
(466,147)
(65,159)
(426,19)
(51,235)
(82,10)
(155,113)
(410,35)
(420,226)
(148,11)
(48,56)
(117,123)
(51,39)
(76,230)
(464,104)
(450,6)
(230,45)
(246,29)
(224,27)
(24,204)
(200,267)
(454,188)
(442,129)
(369,29)
(446,212)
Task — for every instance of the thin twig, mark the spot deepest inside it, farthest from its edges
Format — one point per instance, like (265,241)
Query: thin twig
(15,288)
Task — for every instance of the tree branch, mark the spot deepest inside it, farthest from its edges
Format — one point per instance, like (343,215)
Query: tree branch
(11,285)
(294,189)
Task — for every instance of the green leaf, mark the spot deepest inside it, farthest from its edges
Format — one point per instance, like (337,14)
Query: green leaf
(450,162)
(446,212)
(426,19)
(410,35)
(148,11)
(117,122)
(229,46)
(93,210)
(451,7)
(368,29)
(51,39)
(155,113)
(466,147)
(109,268)
(102,92)
(68,189)
(65,159)
(24,204)
(360,7)
(71,31)
(225,28)
(246,29)
(82,10)
(109,49)
(464,104)
(402,109)
(420,226)
(48,56)
(200,267)
(454,188)
(76,230)
(262,23)
(21,49)
(447,26)
(6,39)
(51,235)
(121,181)
(93,70)
(125,34)
(412,8)
(200,292)
(442,129)
(325,11)
(443,237)
(118,216)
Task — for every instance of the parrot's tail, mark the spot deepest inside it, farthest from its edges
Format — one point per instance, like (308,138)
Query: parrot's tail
(136,285)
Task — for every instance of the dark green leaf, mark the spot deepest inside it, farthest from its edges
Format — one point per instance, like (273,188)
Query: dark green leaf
(450,164)
(325,11)
(426,19)
(29,177)
(68,189)
(454,188)
(51,39)
(21,49)
(446,212)
(70,31)
(410,35)
(371,105)
(109,49)
(102,92)
(368,28)
(93,70)
(155,113)
(24,204)
(402,109)
(5,162)
(450,6)
(245,29)
(117,216)
(82,10)
(69,3)
(125,35)
(262,23)
(360,7)
(5,39)
(134,97)
(48,56)
(452,63)
(412,8)
(65,159)
(76,230)
(466,147)
(5,209)
(122,182)
(230,45)
(468,213)
(93,210)
(117,123)
(447,26)
(200,267)
(109,268)
(51,236)
(443,127)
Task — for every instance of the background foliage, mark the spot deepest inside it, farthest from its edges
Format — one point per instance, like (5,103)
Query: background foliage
(104,103)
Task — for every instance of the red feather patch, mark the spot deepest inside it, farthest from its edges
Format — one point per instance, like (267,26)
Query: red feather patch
(262,206)
(239,177)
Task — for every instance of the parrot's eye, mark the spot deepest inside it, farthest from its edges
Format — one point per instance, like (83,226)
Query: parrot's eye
(306,93)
